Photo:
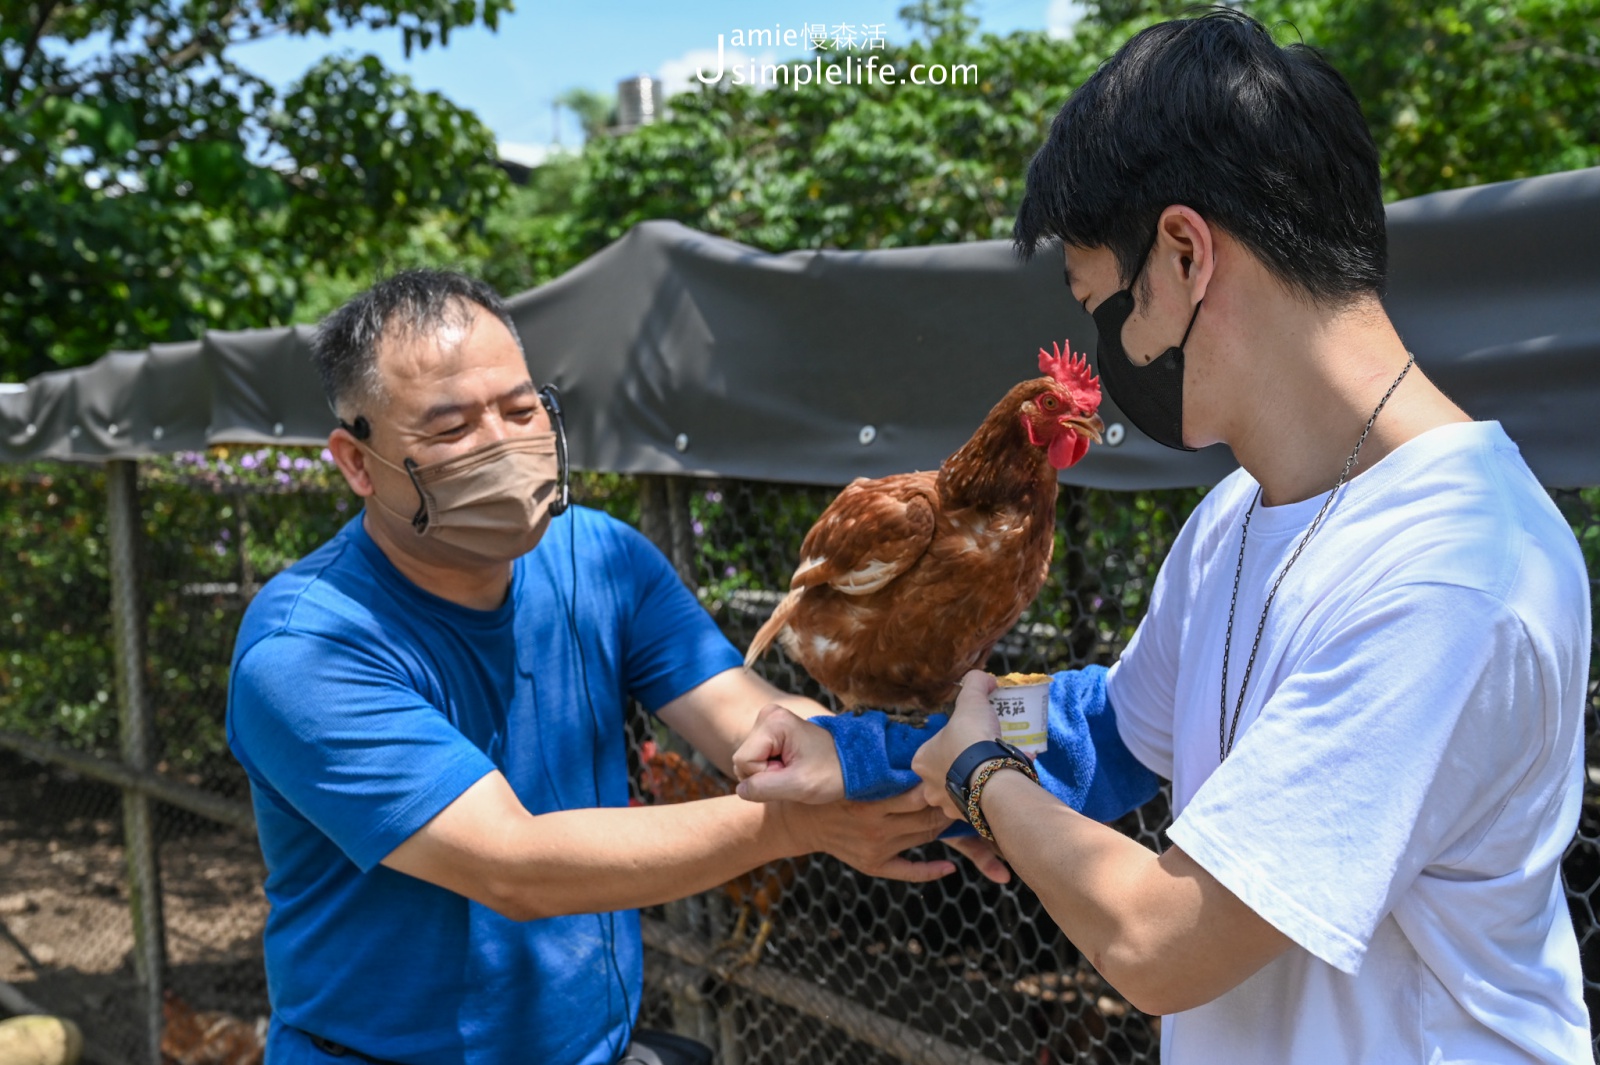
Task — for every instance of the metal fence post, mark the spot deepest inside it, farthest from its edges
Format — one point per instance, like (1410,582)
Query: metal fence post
(123,527)
(680,522)
(664,519)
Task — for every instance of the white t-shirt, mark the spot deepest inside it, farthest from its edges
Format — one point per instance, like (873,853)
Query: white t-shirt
(1408,766)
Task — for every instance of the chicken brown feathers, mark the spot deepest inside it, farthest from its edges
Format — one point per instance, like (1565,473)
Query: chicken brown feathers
(907,582)
(192,1037)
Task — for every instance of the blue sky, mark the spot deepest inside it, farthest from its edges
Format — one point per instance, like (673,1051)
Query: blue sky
(511,77)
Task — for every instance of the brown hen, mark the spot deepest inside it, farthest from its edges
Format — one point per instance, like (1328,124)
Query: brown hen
(907,582)
(194,1037)
(668,777)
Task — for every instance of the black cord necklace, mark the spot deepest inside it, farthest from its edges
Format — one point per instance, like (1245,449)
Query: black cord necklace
(1226,731)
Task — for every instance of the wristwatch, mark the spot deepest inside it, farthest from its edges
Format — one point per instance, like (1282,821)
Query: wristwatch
(972,769)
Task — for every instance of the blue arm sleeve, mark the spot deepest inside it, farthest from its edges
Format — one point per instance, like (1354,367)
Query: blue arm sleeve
(1087,766)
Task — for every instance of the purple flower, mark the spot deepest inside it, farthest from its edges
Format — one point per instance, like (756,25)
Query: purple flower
(283,462)
(699,530)
(729,572)
(713,497)
(248,462)
(226,534)
(340,506)
(327,456)
(224,468)
(302,464)
(219,548)
(282,478)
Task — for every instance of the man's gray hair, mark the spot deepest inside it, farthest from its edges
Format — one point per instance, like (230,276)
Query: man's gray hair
(414,302)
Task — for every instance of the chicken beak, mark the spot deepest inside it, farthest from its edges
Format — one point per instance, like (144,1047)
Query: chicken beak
(1090,427)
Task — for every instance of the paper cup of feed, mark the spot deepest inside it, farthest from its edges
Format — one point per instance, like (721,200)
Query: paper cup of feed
(1023,702)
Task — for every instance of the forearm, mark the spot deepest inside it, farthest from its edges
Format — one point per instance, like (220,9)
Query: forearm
(1158,928)
(716,716)
(610,859)
(487,847)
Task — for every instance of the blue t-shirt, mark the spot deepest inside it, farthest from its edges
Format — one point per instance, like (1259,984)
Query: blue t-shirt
(361,705)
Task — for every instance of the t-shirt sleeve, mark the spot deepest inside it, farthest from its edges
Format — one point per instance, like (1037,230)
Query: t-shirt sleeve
(673,645)
(1390,748)
(341,736)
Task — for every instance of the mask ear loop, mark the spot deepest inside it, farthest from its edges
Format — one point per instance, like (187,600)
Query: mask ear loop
(1185,341)
(361,429)
(550,396)
(419,520)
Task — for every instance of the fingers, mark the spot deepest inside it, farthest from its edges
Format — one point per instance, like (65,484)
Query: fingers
(767,742)
(979,681)
(777,784)
(786,757)
(981,853)
(909,801)
(976,687)
(898,868)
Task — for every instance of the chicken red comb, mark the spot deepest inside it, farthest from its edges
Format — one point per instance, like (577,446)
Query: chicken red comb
(1072,373)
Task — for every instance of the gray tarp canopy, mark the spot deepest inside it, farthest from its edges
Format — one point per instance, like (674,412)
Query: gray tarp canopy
(679,352)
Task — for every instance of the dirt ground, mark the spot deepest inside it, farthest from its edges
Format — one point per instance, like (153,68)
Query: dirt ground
(66,936)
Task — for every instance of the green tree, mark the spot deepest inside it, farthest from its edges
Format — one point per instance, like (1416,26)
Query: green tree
(596,111)
(1456,95)
(154,187)
(1462,93)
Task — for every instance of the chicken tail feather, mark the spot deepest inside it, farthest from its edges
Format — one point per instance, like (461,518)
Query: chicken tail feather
(771,627)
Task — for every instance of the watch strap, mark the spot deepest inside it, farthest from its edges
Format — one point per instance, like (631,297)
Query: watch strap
(972,769)
(968,761)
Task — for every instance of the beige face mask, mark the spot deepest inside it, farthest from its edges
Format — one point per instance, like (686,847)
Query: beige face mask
(495,501)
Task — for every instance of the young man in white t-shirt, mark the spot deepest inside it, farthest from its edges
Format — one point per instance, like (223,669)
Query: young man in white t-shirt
(1364,663)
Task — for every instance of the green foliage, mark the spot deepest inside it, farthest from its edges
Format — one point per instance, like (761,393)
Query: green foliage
(56,676)
(155,188)
(1477,92)
(215,527)
(1464,93)
(521,242)
(596,111)
(859,166)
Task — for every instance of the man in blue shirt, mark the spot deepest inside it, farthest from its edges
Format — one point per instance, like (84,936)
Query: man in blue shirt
(429,708)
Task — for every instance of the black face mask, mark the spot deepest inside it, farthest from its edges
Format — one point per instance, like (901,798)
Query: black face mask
(1150,395)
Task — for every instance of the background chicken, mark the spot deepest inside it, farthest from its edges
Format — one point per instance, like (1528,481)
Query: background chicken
(195,1037)
(669,777)
(906,582)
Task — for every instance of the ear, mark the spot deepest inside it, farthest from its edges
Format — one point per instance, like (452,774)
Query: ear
(1186,243)
(352,461)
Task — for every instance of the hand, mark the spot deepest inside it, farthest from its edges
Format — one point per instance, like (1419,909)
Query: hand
(869,836)
(982,854)
(974,720)
(787,757)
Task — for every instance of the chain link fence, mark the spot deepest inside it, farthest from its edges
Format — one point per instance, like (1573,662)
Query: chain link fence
(846,969)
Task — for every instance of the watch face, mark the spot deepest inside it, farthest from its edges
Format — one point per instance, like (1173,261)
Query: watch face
(956,796)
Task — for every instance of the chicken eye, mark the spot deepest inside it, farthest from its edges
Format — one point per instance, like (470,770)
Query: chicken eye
(1049,402)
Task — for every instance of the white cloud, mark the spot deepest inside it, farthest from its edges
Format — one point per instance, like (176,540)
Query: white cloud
(1063,15)
(528,154)
(680,74)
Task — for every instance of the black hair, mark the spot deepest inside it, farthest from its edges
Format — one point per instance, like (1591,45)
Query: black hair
(420,302)
(1266,142)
